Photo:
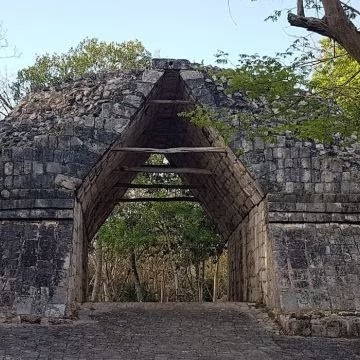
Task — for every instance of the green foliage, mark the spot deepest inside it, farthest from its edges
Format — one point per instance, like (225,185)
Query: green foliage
(320,108)
(90,56)
(184,231)
(127,229)
(180,231)
(164,237)
(263,76)
(216,119)
(338,78)
(221,57)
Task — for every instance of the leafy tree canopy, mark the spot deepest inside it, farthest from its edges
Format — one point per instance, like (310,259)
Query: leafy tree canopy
(316,101)
(127,229)
(338,76)
(180,230)
(91,55)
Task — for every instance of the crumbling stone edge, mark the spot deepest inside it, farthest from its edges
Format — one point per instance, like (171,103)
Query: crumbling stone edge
(316,323)
(320,323)
(9,317)
(34,319)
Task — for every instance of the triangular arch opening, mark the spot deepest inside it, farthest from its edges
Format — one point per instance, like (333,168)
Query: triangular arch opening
(213,174)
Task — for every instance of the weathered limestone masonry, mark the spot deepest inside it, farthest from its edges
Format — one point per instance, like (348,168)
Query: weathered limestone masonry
(289,211)
(313,218)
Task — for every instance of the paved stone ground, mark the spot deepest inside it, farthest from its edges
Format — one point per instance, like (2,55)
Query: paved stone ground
(167,331)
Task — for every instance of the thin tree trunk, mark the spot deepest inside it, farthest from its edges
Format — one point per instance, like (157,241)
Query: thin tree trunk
(216,280)
(107,281)
(162,286)
(155,282)
(197,279)
(176,282)
(190,281)
(136,278)
(202,281)
(106,292)
(199,268)
(98,270)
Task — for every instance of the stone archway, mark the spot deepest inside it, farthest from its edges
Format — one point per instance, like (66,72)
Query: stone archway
(228,192)
(289,210)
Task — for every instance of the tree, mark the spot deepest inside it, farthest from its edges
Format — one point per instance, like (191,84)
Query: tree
(333,19)
(89,56)
(177,236)
(320,106)
(98,270)
(335,23)
(316,96)
(128,232)
(339,78)
(187,238)
(170,242)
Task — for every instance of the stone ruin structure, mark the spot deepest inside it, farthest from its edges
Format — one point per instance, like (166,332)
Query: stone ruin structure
(289,210)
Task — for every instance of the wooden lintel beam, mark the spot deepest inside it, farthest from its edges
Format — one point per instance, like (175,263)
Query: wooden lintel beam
(172,102)
(165,169)
(164,133)
(157,199)
(179,150)
(156,186)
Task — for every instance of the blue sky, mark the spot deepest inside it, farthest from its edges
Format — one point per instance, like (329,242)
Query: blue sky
(179,29)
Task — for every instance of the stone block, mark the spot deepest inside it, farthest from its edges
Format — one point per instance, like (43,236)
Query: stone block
(67,182)
(144,88)
(336,327)
(8,168)
(300,327)
(151,76)
(54,167)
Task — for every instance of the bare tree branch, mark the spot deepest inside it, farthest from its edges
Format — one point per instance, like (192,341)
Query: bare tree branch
(5,103)
(347,6)
(316,25)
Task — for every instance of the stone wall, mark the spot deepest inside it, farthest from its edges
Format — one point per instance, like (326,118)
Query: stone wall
(313,215)
(289,210)
(251,272)
(50,143)
(34,265)
(318,265)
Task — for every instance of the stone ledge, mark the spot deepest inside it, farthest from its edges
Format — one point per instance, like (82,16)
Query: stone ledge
(313,217)
(38,214)
(34,320)
(320,207)
(342,324)
(313,198)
